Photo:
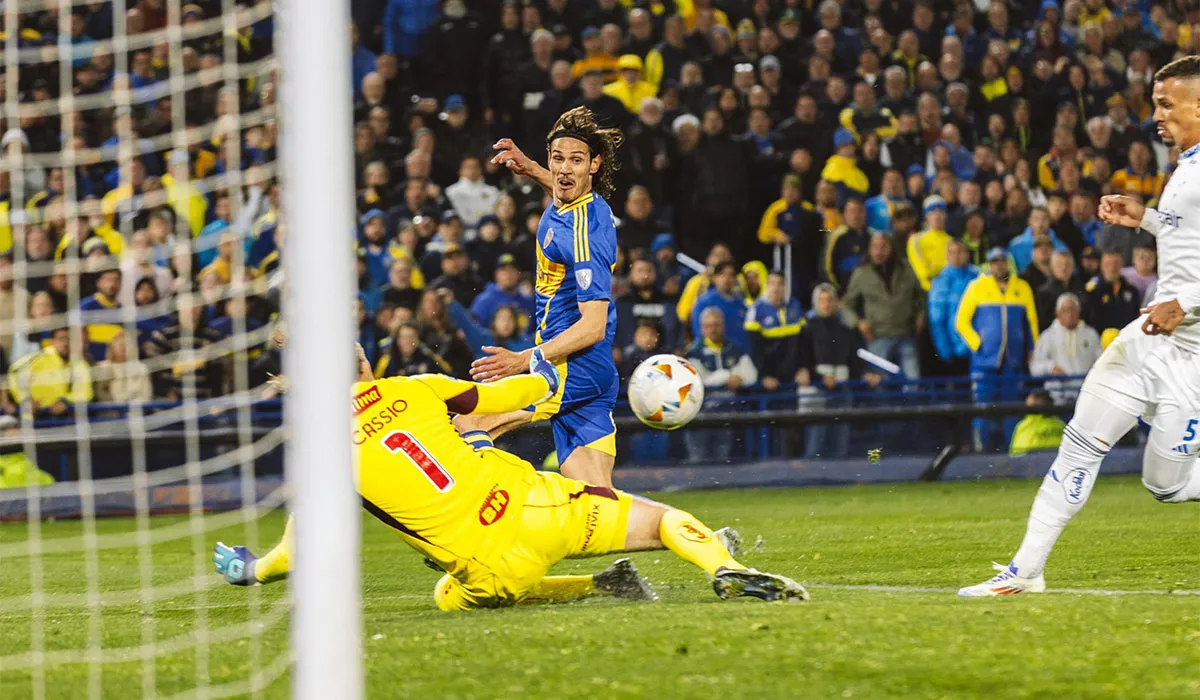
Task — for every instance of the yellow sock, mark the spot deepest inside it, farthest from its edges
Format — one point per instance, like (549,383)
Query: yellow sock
(276,564)
(692,541)
(562,589)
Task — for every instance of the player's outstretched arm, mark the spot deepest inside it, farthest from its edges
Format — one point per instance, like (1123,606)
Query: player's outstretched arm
(240,567)
(513,158)
(504,396)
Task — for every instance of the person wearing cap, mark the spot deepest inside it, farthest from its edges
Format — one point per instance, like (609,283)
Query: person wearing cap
(594,57)
(671,274)
(629,88)
(458,137)
(863,117)
(791,221)
(504,290)
(665,61)
(457,275)
(842,167)
(927,249)
(997,318)
(374,243)
(945,293)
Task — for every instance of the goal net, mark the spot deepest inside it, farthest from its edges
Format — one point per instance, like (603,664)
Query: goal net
(145,194)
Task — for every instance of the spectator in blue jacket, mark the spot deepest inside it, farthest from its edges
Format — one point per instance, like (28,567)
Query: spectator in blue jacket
(375,246)
(724,296)
(403,23)
(944,296)
(773,327)
(504,291)
(997,318)
(362,61)
(881,206)
(1021,247)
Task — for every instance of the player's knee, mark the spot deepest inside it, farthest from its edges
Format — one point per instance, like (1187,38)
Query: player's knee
(1081,444)
(1164,476)
(447,594)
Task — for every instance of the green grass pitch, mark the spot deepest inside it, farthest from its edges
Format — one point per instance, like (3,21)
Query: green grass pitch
(882,562)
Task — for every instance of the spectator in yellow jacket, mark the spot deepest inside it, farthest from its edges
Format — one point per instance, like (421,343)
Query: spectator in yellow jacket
(927,249)
(52,379)
(842,167)
(630,89)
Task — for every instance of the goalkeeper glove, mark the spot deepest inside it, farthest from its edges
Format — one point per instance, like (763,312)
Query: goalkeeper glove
(236,564)
(538,364)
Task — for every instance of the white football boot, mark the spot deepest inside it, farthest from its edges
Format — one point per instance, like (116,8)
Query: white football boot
(1007,582)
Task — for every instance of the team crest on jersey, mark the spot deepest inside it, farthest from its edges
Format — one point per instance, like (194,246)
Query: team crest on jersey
(549,237)
(583,278)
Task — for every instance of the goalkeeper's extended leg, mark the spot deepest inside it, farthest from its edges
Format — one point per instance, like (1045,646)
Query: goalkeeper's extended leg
(620,580)
(656,526)
(240,567)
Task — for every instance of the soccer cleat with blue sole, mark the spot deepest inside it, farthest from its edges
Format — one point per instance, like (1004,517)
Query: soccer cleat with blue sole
(1007,582)
(749,583)
(236,564)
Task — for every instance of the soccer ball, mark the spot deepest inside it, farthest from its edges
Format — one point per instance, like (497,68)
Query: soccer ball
(665,392)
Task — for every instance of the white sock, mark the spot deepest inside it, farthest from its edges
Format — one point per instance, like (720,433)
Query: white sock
(1063,492)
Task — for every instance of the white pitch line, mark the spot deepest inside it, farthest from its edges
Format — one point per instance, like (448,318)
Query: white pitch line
(924,589)
(815,586)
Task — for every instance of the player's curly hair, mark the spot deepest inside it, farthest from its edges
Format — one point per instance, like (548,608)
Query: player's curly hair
(580,123)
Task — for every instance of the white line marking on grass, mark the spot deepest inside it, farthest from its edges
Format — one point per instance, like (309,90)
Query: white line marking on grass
(926,589)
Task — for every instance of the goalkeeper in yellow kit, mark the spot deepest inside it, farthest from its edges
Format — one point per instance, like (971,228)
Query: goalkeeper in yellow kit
(487,518)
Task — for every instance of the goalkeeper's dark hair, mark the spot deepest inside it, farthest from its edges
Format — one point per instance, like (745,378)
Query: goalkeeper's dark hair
(580,123)
(1186,68)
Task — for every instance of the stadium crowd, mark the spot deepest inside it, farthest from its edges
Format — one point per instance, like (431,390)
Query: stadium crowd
(927,174)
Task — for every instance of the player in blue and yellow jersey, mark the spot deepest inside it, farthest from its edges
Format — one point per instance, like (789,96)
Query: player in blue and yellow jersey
(576,317)
(488,519)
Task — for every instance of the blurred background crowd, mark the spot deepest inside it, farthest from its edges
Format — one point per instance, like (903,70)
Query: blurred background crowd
(799,180)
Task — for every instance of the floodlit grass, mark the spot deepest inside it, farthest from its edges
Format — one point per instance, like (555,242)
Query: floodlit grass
(897,640)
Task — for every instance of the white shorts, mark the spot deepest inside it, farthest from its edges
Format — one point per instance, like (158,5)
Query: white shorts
(1146,374)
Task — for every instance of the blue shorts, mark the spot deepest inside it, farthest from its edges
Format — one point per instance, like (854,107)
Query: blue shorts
(580,414)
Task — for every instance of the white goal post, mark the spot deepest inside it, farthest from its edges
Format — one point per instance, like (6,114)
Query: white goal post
(318,205)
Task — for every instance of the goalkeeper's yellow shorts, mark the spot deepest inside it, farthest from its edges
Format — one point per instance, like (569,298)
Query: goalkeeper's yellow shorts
(561,519)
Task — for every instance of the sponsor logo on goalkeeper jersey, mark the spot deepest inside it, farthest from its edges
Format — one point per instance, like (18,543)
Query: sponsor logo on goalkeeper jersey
(1074,484)
(377,422)
(367,399)
(494,506)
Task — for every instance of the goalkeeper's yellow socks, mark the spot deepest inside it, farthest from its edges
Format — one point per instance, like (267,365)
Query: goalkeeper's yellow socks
(276,564)
(692,541)
(562,589)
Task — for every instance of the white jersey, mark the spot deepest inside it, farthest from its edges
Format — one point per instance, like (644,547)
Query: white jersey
(1176,225)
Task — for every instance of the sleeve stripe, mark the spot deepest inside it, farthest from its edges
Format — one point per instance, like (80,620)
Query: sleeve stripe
(587,244)
(575,233)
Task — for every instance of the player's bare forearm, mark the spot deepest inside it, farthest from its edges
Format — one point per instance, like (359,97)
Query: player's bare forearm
(541,176)
(582,334)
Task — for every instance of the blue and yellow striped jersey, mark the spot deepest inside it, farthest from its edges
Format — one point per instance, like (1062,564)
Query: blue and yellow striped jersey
(576,253)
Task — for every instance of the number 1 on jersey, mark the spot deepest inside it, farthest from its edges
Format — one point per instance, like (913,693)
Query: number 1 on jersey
(404,442)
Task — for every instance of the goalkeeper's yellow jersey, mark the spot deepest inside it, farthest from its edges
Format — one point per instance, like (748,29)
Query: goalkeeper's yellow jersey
(420,477)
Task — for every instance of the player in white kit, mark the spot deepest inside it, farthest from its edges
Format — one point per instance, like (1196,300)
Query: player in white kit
(1152,369)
